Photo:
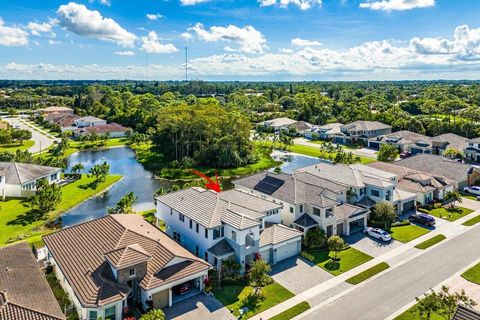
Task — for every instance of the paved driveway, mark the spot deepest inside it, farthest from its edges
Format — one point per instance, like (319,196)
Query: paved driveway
(198,307)
(371,246)
(297,274)
(42,142)
(470,204)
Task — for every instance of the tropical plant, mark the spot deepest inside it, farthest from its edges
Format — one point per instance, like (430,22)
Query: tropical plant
(124,205)
(77,168)
(100,172)
(315,238)
(154,314)
(47,197)
(335,244)
(258,274)
(387,153)
(384,212)
(452,197)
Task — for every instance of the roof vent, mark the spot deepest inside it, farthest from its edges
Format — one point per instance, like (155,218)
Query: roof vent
(6,269)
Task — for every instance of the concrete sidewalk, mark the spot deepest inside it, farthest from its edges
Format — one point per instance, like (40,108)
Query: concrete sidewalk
(394,258)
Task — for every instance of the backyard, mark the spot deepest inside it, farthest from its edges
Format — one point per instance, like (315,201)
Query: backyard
(349,259)
(233,297)
(407,233)
(15,223)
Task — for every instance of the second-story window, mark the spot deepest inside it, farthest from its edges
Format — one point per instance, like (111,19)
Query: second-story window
(197,227)
(133,272)
(291,209)
(206,233)
(181,217)
(329,213)
(234,236)
(316,212)
(191,223)
(301,208)
(375,193)
(217,233)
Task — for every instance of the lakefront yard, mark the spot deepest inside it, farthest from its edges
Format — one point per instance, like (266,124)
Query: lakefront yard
(16,224)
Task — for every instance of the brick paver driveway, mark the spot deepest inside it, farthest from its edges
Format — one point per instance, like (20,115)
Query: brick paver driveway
(297,274)
(371,246)
(198,307)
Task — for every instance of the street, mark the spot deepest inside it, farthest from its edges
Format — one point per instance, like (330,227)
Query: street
(42,142)
(379,298)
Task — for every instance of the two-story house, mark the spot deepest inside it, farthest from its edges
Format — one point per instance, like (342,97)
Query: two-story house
(472,150)
(325,132)
(361,131)
(308,201)
(121,260)
(365,185)
(218,226)
(404,140)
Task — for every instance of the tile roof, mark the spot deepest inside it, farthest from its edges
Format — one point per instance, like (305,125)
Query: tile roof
(279,122)
(404,137)
(210,209)
(80,251)
(306,221)
(90,119)
(127,256)
(366,125)
(346,211)
(464,313)
(301,125)
(452,140)
(24,292)
(222,248)
(103,128)
(278,233)
(330,128)
(19,173)
(56,109)
(436,165)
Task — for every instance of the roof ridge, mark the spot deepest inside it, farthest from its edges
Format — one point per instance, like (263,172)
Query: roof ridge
(32,310)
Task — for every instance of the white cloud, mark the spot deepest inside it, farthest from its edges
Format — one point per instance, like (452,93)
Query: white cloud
(104,2)
(192,2)
(12,36)
(151,44)
(154,16)
(53,42)
(37,29)
(78,19)
(248,38)
(305,43)
(302,4)
(285,50)
(186,36)
(391,5)
(124,53)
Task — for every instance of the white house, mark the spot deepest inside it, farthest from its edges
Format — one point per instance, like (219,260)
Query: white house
(121,260)
(229,224)
(112,130)
(361,131)
(278,124)
(308,201)
(89,121)
(19,180)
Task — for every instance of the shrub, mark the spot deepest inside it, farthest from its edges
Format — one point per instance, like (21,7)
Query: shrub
(423,210)
(437,205)
(401,223)
(307,256)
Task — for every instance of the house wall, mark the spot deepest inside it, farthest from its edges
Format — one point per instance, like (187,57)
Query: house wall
(82,124)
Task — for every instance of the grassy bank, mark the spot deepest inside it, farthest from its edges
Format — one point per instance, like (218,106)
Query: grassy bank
(15,223)
(75,146)
(153,160)
(13,147)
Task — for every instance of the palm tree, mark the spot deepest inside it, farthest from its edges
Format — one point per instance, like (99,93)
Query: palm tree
(76,169)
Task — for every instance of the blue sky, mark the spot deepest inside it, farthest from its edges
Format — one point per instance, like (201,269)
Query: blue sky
(240,39)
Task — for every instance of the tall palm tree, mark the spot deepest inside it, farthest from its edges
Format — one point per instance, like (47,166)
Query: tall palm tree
(79,167)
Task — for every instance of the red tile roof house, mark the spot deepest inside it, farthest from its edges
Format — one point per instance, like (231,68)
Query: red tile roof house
(120,260)
(24,292)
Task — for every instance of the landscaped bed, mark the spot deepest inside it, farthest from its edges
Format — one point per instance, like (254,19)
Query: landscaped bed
(450,214)
(472,221)
(473,274)
(430,242)
(292,312)
(413,314)
(15,223)
(232,297)
(349,259)
(362,276)
(407,233)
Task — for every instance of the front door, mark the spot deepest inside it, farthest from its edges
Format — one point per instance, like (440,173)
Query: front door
(329,231)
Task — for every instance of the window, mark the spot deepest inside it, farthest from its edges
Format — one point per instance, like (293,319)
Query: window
(196,251)
(387,195)
(206,233)
(291,209)
(92,315)
(215,261)
(206,256)
(375,193)
(234,236)
(301,208)
(197,227)
(171,211)
(176,236)
(329,213)
(191,224)
(316,212)
(217,233)
(181,217)
(132,272)
(110,313)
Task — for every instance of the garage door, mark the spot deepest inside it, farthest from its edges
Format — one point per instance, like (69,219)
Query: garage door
(338,140)
(160,299)
(409,206)
(266,256)
(415,151)
(287,251)
(340,229)
(374,145)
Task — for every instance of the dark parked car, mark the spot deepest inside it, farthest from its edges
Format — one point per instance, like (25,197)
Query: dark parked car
(422,218)
(405,154)
(182,288)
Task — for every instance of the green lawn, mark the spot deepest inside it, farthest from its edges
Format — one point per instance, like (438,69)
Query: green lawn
(473,274)
(13,147)
(430,242)
(407,233)
(233,298)
(468,196)
(150,217)
(344,146)
(16,225)
(292,312)
(472,221)
(370,272)
(315,152)
(412,314)
(349,259)
(450,215)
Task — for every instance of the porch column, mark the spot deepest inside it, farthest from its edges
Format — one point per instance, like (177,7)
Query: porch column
(170,297)
(347,228)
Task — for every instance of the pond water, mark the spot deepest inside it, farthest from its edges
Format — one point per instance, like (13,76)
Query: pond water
(135,178)
(139,180)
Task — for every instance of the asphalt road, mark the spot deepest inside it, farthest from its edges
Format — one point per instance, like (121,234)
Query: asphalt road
(42,142)
(391,291)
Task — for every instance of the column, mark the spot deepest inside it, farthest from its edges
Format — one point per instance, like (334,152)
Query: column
(169,297)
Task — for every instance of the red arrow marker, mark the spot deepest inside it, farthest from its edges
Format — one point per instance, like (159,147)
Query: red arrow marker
(212,185)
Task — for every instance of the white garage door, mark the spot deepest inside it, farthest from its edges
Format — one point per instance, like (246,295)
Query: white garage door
(287,251)
(266,255)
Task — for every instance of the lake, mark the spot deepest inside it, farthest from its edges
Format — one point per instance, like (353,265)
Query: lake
(136,178)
